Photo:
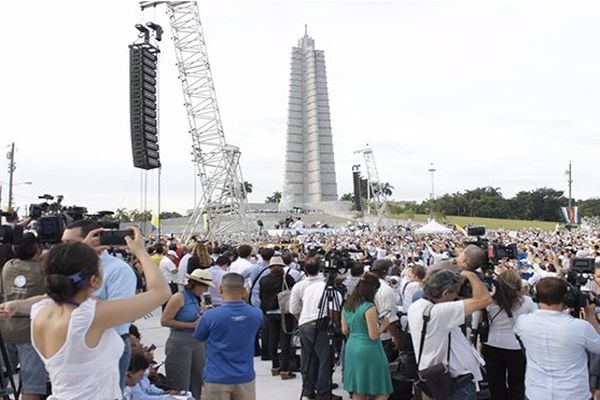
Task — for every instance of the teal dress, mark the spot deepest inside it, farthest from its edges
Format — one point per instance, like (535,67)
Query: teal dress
(366,368)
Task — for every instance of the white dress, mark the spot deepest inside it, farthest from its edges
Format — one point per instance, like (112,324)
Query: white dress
(77,371)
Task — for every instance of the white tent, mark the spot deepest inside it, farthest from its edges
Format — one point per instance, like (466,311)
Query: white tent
(433,227)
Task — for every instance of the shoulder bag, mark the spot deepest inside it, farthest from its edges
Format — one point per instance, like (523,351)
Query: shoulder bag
(434,381)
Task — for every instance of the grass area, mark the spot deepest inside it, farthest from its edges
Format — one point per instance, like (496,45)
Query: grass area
(491,223)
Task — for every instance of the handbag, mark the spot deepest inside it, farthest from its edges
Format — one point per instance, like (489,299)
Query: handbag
(283,297)
(434,381)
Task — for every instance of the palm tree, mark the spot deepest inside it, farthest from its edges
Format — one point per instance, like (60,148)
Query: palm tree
(275,198)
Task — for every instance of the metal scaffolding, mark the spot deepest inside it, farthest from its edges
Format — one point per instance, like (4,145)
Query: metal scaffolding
(216,162)
(375,193)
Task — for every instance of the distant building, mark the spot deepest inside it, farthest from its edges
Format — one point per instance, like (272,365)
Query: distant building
(309,159)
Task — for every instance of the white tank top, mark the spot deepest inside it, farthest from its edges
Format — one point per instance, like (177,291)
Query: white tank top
(77,371)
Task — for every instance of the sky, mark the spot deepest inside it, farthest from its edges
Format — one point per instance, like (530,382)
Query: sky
(498,93)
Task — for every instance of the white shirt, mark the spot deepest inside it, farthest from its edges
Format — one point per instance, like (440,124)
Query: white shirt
(183,266)
(386,299)
(407,293)
(296,304)
(168,269)
(78,371)
(240,266)
(311,299)
(501,327)
(445,317)
(556,345)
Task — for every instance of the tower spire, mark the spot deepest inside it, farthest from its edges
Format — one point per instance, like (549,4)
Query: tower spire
(305,29)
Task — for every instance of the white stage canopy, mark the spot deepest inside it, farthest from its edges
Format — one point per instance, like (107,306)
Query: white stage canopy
(433,227)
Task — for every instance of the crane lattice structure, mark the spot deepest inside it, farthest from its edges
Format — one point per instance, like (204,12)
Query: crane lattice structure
(217,163)
(375,190)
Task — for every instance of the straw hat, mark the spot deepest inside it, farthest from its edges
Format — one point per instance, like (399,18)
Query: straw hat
(202,276)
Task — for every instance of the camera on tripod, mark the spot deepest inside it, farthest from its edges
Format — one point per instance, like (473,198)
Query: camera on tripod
(338,261)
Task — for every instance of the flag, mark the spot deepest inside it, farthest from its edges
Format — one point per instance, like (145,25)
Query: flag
(575,214)
(571,216)
(460,229)
(154,223)
(565,214)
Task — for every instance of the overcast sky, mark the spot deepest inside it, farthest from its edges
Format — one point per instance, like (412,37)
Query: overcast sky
(499,93)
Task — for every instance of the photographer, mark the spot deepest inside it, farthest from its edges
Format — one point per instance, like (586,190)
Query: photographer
(385,301)
(22,278)
(306,304)
(556,345)
(444,342)
(504,358)
(470,259)
(118,280)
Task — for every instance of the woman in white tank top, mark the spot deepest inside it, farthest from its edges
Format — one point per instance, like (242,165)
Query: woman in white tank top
(72,332)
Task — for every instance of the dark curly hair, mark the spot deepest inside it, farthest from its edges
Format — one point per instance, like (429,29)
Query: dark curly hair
(68,268)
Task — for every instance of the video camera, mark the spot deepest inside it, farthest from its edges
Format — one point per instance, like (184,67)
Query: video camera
(581,271)
(338,260)
(494,251)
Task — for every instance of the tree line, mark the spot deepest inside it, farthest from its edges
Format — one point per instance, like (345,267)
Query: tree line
(540,204)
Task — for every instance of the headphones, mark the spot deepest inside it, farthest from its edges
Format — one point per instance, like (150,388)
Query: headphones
(570,298)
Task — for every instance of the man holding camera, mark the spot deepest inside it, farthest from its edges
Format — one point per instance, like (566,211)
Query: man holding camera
(444,343)
(556,345)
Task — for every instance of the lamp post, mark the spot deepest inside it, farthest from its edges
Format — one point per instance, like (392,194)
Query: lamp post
(10,190)
(432,195)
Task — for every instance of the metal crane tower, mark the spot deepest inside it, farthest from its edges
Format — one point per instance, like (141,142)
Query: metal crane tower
(375,192)
(216,162)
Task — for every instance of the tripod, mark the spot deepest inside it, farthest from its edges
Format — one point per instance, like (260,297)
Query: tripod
(328,324)
(5,391)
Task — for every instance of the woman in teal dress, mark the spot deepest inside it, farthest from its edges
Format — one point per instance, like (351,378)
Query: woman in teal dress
(366,370)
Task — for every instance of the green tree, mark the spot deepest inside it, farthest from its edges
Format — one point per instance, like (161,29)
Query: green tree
(121,214)
(275,198)
(170,214)
(347,197)
(589,208)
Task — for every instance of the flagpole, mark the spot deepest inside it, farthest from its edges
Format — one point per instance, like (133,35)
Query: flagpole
(570,200)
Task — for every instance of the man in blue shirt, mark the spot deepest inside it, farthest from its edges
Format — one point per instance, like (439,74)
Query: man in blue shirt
(229,332)
(118,280)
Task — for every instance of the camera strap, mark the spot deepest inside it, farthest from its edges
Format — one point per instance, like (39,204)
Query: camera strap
(254,284)
(426,318)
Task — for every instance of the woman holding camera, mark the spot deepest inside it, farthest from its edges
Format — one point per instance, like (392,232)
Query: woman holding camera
(504,358)
(73,333)
(185,357)
(366,370)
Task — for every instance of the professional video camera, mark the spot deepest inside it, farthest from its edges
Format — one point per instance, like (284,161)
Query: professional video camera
(338,260)
(51,218)
(581,271)
(495,251)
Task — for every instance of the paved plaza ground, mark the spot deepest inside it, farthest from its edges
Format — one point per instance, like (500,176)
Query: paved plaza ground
(267,386)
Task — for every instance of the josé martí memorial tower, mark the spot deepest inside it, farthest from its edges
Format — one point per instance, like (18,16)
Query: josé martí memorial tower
(309,160)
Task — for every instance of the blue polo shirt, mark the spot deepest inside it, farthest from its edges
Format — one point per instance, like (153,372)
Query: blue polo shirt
(118,282)
(229,332)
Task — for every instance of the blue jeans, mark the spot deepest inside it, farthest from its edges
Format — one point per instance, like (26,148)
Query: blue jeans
(124,361)
(464,391)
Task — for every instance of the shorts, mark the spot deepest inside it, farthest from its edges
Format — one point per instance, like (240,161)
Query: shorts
(33,373)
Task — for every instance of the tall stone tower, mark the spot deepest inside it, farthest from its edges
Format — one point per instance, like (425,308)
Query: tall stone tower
(309,162)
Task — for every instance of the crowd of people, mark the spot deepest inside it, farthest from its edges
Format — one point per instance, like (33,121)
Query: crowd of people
(402,314)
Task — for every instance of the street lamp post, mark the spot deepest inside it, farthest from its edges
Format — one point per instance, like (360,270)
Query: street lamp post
(432,195)
(10,191)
